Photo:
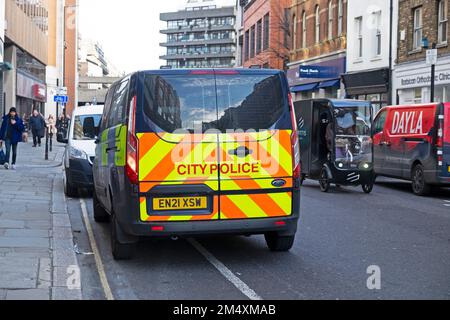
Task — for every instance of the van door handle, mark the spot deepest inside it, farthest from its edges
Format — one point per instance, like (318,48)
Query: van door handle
(112,149)
(241,152)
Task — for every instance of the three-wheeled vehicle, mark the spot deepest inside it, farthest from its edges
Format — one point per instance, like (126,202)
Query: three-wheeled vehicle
(336,142)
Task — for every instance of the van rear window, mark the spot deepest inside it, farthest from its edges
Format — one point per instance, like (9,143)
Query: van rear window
(249,102)
(222,102)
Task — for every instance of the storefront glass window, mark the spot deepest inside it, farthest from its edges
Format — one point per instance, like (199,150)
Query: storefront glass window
(30,65)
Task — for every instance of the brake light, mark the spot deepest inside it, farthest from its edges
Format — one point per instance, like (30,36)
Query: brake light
(158,228)
(295,143)
(132,164)
(440,133)
(214,72)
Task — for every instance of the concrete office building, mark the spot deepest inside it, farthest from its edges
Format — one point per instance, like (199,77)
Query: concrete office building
(26,50)
(3,66)
(201,35)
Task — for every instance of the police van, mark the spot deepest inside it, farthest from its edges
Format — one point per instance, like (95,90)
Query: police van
(198,152)
(412,142)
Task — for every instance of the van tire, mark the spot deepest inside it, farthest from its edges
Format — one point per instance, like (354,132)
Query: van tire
(100,214)
(419,185)
(277,243)
(120,251)
(69,190)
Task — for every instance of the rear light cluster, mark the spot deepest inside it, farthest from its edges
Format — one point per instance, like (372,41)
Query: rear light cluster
(440,141)
(295,143)
(132,165)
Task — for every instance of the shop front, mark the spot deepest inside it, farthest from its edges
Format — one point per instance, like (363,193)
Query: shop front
(31,94)
(319,78)
(412,82)
(370,85)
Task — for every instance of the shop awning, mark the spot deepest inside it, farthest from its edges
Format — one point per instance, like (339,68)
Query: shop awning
(330,84)
(367,82)
(305,87)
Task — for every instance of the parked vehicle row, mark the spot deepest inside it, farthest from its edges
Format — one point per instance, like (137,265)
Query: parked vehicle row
(179,153)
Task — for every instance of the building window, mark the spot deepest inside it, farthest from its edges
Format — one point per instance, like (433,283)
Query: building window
(266,31)
(294,32)
(247,45)
(418,28)
(359,37)
(317,24)
(259,37)
(340,17)
(304,29)
(378,36)
(252,42)
(330,20)
(443,21)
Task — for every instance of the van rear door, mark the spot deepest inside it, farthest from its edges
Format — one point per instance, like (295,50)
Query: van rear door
(256,162)
(178,158)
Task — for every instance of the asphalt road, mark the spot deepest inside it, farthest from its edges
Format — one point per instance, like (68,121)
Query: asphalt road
(340,235)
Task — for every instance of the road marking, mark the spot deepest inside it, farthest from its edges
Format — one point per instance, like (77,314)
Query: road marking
(98,259)
(227,273)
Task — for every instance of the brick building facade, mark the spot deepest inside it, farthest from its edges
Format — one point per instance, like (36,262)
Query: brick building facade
(318,47)
(422,22)
(266,34)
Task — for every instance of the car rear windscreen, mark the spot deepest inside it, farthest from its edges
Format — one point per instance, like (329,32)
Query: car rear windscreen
(223,102)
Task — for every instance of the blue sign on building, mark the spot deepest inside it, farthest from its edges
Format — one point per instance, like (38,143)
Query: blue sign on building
(317,72)
(61,99)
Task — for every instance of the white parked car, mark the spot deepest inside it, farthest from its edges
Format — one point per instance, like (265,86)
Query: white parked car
(80,150)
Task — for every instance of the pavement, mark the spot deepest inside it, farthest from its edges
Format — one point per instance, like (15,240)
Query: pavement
(36,242)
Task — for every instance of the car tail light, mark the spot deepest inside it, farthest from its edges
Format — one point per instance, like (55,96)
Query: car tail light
(295,143)
(132,164)
(158,228)
(440,133)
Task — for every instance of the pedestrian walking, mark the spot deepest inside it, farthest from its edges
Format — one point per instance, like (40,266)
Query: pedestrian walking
(11,132)
(37,126)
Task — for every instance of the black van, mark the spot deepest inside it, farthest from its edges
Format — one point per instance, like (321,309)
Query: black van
(192,152)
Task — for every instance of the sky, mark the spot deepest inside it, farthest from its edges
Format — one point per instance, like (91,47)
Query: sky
(128,30)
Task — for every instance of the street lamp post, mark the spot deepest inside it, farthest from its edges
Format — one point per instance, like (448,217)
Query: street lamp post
(433,73)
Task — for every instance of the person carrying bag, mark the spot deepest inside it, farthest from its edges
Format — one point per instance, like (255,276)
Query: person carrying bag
(11,132)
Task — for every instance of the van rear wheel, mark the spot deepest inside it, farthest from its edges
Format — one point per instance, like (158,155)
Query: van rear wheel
(120,251)
(419,186)
(277,243)
(100,214)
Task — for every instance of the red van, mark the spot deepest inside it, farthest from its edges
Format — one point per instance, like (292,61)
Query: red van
(412,142)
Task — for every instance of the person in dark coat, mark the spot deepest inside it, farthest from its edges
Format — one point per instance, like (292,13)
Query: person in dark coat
(37,127)
(11,133)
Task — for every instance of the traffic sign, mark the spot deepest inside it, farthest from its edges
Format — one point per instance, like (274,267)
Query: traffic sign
(61,99)
(432,56)
(61,91)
